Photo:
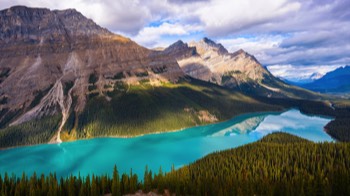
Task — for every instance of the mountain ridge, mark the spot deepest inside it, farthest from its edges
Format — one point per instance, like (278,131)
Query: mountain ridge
(210,61)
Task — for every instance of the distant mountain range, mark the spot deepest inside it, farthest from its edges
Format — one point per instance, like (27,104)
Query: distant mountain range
(337,81)
(302,79)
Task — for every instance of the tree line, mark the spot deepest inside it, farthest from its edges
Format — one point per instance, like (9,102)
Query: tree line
(279,164)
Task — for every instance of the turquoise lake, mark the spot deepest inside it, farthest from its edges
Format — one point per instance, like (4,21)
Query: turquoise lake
(98,156)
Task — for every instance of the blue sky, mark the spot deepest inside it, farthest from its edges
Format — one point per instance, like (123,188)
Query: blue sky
(292,37)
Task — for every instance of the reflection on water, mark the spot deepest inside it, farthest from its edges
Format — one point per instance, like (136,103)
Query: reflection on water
(243,127)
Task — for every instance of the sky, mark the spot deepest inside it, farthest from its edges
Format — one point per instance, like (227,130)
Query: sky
(293,38)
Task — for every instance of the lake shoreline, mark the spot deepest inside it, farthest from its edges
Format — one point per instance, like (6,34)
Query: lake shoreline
(171,131)
(177,148)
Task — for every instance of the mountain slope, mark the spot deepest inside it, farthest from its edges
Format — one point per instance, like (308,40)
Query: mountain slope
(209,61)
(49,58)
(43,51)
(62,73)
(337,81)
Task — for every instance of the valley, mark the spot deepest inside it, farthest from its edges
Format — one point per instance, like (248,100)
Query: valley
(102,84)
(77,99)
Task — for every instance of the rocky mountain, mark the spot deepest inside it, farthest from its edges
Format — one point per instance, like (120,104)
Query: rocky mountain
(337,81)
(210,61)
(48,58)
(63,77)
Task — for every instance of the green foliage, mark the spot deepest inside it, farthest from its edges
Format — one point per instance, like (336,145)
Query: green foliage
(141,74)
(159,70)
(226,78)
(279,164)
(144,81)
(282,138)
(135,110)
(92,87)
(4,73)
(29,133)
(8,115)
(93,78)
(3,100)
(116,183)
(67,86)
(38,96)
(119,76)
(339,129)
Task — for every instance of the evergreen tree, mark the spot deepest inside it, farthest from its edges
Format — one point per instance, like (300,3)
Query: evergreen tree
(116,182)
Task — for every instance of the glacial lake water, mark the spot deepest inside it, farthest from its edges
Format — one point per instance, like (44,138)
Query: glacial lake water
(98,156)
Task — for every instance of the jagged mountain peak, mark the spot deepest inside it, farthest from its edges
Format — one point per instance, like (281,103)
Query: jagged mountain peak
(180,50)
(211,43)
(208,41)
(177,45)
(240,51)
(207,45)
(179,42)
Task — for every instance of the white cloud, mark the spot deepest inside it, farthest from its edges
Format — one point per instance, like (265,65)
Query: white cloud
(253,45)
(128,16)
(223,17)
(152,36)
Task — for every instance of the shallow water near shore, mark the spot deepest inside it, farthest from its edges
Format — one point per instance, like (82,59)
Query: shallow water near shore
(98,156)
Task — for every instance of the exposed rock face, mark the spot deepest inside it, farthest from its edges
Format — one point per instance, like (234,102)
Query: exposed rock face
(49,59)
(209,61)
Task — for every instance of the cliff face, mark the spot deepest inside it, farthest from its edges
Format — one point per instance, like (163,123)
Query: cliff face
(209,61)
(49,59)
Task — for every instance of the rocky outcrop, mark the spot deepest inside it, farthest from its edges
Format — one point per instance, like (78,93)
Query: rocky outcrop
(209,61)
(49,59)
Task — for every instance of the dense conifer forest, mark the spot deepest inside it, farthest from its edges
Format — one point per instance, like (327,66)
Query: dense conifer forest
(30,133)
(278,164)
